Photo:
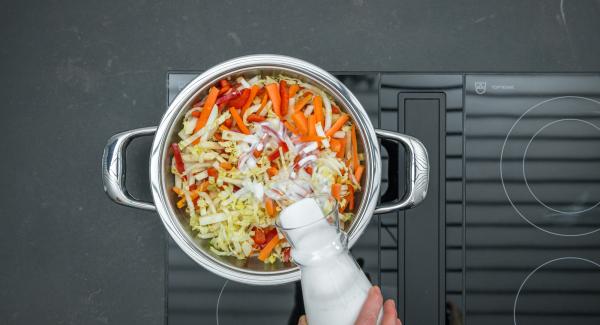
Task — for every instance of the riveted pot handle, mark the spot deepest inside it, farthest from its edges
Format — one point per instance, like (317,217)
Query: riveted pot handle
(418,171)
(113,168)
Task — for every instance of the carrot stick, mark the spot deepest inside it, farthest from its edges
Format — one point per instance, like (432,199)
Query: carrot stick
(303,101)
(293,90)
(208,105)
(177,190)
(272,171)
(312,122)
(285,97)
(355,162)
(193,196)
(290,127)
(308,138)
(203,186)
(181,203)
(337,125)
(226,165)
(340,154)
(263,103)
(253,92)
(266,251)
(270,207)
(273,92)
(300,121)
(336,190)
(358,173)
(318,104)
(238,120)
(256,118)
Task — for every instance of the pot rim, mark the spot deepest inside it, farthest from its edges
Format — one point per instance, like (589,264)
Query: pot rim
(159,159)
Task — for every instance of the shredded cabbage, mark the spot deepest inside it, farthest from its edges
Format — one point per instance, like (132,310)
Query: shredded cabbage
(227,177)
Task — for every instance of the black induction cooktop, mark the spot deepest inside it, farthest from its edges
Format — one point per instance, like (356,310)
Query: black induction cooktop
(509,231)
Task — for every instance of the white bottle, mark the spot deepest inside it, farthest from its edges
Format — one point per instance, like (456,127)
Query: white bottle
(334,287)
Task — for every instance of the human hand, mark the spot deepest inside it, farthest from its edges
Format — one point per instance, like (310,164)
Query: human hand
(370,310)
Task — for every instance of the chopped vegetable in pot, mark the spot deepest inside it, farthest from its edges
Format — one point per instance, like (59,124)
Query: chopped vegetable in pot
(248,146)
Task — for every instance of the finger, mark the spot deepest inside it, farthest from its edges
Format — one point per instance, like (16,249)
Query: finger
(370,310)
(389,313)
(398,322)
(302,320)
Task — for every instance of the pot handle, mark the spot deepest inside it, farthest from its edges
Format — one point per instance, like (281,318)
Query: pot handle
(418,171)
(113,168)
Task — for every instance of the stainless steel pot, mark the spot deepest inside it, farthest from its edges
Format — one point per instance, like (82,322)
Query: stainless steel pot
(252,271)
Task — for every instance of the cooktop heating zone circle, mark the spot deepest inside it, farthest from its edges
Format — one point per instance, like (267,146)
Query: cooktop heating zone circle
(559,292)
(548,166)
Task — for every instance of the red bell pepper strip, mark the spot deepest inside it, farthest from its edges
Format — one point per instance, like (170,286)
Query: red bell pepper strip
(178,160)
(286,254)
(259,236)
(228,97)
(241,100)
(253,91)
(276,154)
(285,96)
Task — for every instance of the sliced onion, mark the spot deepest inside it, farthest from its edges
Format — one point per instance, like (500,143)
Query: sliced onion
(328,112)
(243,82)
(309,109)
(339,135)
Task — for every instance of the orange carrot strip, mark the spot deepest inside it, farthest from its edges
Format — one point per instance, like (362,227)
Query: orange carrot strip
(293,90)
(336,190)
(256,118)
(203,186)
(308,138)
(181,203)
(273,92)
(337,125)
(270,207)
(300,121)
(355,162)
(238,120)
(253,92)
(263,103)
(312,122)
(208,105)
(303,101)
(290,127)
(318,104)
(266,251)
(272,171)
(177,190)
(358,173)
(226,165)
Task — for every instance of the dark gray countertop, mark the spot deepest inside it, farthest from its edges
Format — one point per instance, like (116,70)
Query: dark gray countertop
(75,73)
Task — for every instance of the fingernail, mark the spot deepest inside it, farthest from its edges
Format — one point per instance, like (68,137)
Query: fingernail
(377,289)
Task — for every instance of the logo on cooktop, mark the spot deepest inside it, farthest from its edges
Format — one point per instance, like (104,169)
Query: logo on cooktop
(480,87)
